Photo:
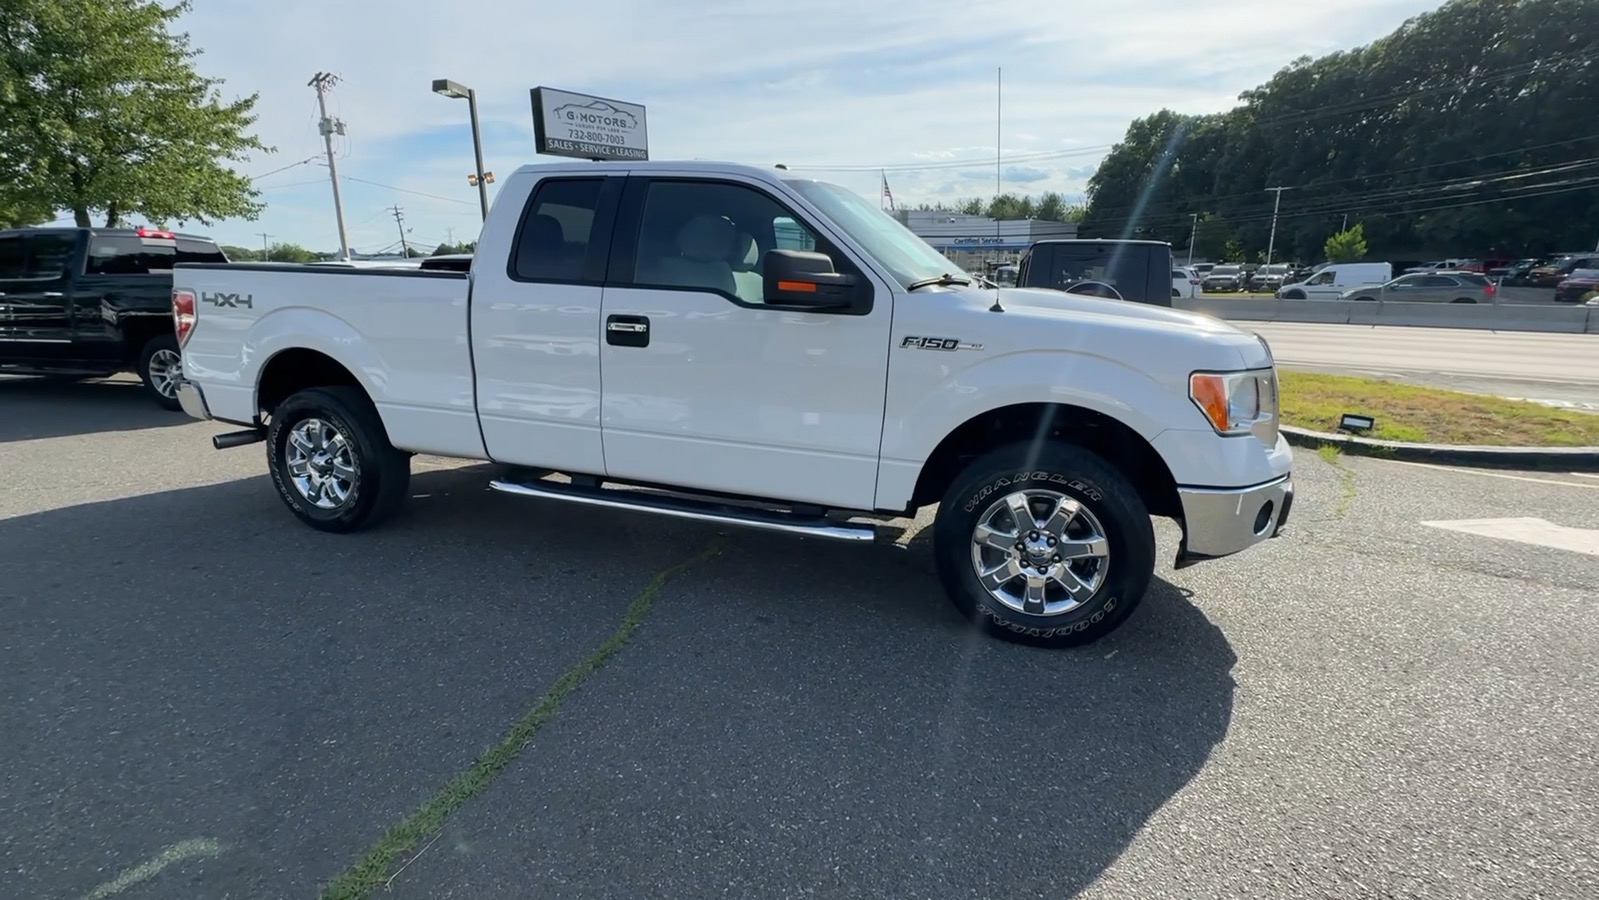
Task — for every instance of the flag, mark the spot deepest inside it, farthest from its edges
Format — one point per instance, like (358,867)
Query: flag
(888,196)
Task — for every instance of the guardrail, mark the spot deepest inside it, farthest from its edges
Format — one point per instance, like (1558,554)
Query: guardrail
(1479,316)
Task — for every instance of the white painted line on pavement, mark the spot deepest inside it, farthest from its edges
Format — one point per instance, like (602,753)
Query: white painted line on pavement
(1585,475)
(149,869)
(1539,532)
(1485,474)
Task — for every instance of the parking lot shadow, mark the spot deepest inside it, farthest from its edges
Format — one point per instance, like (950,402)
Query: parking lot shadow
(195,665)
(34,408)
(808,719)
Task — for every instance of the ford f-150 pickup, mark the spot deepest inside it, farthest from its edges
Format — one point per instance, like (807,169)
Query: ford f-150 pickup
(742,346)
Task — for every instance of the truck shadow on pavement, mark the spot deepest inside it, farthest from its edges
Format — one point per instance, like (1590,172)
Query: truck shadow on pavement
(35,408)
(792,717)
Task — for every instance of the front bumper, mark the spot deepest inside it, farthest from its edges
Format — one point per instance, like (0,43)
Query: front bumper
(192,399)
(1221,522)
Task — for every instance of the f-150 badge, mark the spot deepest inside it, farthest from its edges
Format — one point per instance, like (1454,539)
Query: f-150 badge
(938,343)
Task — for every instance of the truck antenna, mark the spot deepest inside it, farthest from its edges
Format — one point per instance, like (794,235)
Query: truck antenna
(996,307)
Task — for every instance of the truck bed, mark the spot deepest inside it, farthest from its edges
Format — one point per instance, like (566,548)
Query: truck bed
(403,333)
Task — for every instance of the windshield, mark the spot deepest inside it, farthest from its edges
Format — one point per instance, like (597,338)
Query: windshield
(907,257)
(1224,270)
(1275,269)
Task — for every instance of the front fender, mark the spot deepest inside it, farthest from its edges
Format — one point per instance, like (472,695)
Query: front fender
(920,416)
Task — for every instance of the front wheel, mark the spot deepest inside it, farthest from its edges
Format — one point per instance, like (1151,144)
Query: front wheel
(1047,545)
(1463,300)
(331,460)
(161,370)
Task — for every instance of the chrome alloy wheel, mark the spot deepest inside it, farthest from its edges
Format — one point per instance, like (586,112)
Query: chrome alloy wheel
(321,462)
(1040,552)
(166,371)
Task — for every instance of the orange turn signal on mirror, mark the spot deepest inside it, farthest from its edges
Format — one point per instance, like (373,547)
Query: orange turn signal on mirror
(1210,395)
(795,286)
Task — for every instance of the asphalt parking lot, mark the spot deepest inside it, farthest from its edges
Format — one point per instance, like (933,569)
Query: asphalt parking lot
(204,698)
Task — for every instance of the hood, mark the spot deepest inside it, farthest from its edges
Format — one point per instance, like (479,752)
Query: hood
(1173,324)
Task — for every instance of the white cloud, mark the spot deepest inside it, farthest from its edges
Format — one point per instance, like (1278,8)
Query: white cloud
(827,84)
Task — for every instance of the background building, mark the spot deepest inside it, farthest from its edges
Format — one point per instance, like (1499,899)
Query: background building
(978,243)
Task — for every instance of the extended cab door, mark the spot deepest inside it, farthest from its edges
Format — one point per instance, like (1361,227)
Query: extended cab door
(708,387)
(536,324)
(36,274)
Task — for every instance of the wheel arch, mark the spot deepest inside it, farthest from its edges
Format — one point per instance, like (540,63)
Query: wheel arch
(295,369)
(1113,440)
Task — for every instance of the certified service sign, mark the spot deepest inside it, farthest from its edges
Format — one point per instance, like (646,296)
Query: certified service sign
(577,125)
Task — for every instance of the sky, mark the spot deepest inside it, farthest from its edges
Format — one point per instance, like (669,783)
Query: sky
(833,89)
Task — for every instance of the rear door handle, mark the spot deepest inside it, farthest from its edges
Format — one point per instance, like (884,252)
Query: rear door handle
(54,294)
(627,331)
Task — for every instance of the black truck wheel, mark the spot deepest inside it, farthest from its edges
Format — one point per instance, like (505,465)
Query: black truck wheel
(1046,545)
(331,460)
(160,368)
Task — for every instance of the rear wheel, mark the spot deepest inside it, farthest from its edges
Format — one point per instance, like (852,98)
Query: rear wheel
(331,460)
(1046,545)
(1293,295)
(1463,300)
(160,369)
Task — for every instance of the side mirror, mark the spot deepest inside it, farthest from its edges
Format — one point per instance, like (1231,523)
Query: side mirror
(803,280)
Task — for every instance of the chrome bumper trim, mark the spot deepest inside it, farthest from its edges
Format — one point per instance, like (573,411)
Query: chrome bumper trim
(192,399)
(1220,523)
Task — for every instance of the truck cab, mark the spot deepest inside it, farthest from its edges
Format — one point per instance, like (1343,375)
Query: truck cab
(92,302)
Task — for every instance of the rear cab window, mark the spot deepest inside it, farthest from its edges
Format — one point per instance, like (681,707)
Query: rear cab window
(136,254)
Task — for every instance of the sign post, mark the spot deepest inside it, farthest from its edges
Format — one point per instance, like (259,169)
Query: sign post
(586,127)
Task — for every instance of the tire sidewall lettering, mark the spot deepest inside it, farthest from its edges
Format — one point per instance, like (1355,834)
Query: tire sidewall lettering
(1028,478)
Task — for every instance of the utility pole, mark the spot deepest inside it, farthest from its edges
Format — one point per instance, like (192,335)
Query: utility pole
(1271,243)
(324,82)
(1192,233)
(266,246)
(399,220)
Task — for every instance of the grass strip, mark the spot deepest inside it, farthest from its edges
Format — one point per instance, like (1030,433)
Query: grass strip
(1417,414)
(372,870)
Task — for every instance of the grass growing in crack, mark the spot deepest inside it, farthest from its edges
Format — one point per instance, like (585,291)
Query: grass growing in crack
(371,871)
(1346,478)
(1416,414)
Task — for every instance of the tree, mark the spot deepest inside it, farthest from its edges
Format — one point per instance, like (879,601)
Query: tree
(292,253)
(1348,245)
(1410,134)
(102,111)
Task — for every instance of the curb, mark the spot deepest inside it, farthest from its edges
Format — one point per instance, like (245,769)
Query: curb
(1565,459)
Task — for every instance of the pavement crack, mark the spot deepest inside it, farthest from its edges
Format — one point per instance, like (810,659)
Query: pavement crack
(372,870)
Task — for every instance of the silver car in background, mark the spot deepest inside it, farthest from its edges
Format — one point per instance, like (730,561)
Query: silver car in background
(1428,287)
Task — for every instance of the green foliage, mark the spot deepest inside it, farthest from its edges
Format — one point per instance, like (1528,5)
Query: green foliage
(1467,131)
(292,253)
(1348,245)
(448,249)
(102,111)
(1050,207)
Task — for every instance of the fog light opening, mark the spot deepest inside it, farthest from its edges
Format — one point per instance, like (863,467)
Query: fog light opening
(1263,518)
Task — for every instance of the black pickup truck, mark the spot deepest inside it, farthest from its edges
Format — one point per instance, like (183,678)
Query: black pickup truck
(92,302)
(1139,271)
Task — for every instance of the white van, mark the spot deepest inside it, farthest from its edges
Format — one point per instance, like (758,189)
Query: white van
(1331,281)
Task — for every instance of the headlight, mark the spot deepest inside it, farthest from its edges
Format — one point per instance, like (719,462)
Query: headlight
(1230,402)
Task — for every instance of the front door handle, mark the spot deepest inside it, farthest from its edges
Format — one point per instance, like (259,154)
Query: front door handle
(53,294)
(627,331)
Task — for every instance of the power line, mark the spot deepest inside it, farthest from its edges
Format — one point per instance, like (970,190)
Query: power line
(1473,83)
(408,191)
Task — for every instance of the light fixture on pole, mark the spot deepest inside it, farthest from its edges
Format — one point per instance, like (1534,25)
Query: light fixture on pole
(444,87)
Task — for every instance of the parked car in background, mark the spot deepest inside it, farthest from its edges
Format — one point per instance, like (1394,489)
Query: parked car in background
(1429,287)
(1512,273)
(91,302)
(1202,269)
(1227,278)
(1184,282)
(1581,286)
(1332,281)
(1442,265)
(1549,273)
(1270,278)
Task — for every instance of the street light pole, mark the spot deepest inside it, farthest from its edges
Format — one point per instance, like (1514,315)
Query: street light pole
(1192,233)
(444,87)
(1271,243)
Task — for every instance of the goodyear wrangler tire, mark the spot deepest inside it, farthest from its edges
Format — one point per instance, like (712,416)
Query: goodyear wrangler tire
(1044,544)
(331,460)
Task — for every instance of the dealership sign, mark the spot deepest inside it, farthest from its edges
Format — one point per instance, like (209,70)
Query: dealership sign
(585,127)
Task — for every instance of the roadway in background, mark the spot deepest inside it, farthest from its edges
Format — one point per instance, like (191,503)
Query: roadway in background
(1560,367)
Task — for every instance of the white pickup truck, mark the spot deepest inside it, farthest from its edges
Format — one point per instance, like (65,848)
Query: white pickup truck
(742,346)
